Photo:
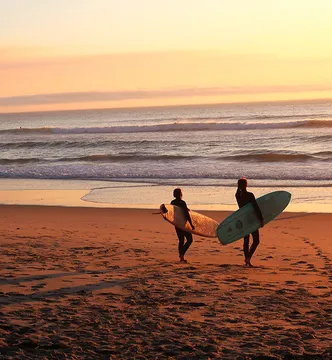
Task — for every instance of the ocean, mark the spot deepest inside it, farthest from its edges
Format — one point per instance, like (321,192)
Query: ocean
(133,156)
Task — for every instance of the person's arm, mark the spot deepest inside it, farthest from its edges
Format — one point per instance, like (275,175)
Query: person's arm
(237,200)
(257,209)
(187,214)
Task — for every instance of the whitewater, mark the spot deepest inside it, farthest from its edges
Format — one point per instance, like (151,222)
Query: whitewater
(285,144)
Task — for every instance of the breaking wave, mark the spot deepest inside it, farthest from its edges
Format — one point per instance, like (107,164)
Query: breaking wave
(175,126)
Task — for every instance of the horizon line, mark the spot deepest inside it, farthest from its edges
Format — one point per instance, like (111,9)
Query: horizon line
(169,106)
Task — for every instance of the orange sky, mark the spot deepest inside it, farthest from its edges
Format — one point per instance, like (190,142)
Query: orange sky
(106,54)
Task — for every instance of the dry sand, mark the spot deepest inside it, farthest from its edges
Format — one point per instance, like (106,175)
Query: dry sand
(86,283)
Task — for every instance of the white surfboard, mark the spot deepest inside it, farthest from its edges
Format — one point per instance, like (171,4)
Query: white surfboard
(204,226)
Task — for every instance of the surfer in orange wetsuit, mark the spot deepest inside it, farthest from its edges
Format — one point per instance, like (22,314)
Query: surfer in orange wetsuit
(244,197)
(183,247)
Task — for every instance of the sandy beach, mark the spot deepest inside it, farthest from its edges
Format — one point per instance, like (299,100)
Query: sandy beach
(89,283)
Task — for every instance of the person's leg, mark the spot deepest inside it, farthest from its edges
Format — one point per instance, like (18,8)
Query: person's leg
(246,249)
(180,235)
(253,247)
(189,241)
(255,242)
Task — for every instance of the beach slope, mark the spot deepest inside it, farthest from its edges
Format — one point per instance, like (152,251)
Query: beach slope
(88,283)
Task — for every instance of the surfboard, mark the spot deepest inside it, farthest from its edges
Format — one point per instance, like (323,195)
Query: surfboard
(245,221)
(204,226)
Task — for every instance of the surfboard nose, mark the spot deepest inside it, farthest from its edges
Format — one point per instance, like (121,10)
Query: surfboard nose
(163,209)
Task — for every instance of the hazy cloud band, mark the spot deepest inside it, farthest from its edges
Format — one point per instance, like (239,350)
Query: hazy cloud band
(99,96)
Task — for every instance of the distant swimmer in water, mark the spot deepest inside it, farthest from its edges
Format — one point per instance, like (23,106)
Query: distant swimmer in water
(182,235)
(244,197)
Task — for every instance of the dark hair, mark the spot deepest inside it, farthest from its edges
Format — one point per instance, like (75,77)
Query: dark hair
(242,183)
(177,192)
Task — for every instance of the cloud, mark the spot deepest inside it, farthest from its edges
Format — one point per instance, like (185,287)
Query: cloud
(27,58)
(98,96)
(34,57)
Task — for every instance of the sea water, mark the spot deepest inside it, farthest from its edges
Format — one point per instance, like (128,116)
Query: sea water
(138,155)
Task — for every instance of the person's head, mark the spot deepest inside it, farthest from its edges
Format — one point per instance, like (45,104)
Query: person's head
(242,184)
(177,193)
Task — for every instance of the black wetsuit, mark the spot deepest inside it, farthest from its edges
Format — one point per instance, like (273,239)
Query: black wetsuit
(183,247)
(244,197)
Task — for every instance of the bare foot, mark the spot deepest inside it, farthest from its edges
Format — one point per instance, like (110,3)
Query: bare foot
(248,263)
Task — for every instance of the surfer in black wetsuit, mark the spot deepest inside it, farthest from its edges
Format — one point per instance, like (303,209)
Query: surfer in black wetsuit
(183,247)
(244,197)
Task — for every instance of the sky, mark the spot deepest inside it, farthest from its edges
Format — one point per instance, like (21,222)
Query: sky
(76,54)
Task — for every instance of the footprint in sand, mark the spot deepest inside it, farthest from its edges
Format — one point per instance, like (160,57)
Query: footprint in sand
(291,282)
(39,286)
(321,287)
(267,258)
(311,267)
(299,263)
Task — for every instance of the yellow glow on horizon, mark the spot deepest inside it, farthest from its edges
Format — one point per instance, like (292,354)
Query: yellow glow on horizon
(193,100)
(125,72)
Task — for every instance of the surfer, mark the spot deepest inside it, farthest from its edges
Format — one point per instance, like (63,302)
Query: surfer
(182,235)
(244,197)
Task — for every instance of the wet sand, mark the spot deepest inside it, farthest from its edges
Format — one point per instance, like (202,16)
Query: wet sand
(89,283)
